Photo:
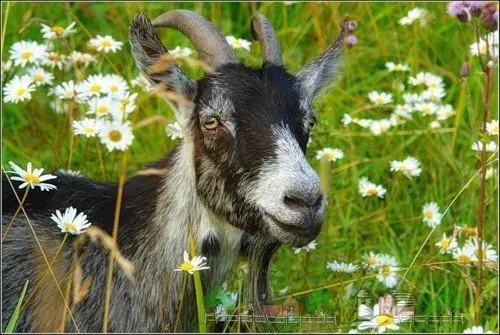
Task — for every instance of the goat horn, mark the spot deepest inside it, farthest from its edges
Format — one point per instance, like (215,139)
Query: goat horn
(263,31)
(207,40)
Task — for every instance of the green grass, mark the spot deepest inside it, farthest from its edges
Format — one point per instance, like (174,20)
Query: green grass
(353,226)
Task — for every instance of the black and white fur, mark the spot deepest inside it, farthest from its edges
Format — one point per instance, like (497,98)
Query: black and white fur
(245,181)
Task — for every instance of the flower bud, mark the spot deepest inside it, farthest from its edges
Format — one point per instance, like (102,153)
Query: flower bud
(464,70)
(352,25)
(489,17)
(351,40)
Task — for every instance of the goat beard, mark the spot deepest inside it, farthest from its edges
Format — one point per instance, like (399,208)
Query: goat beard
(262,250)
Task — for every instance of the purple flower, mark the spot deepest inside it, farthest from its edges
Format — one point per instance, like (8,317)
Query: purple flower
(352,25)
(464,70)
(475,7)
(489,17)
(459,10)
(351,40)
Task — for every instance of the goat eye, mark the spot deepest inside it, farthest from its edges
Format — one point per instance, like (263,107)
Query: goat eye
(311,123)
(211,123)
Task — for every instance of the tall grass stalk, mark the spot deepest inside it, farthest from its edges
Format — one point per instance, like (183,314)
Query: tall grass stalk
(16,212)
(15,315)
(198,289)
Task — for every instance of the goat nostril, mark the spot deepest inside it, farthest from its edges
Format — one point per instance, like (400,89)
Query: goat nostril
(299,201)
(295,202)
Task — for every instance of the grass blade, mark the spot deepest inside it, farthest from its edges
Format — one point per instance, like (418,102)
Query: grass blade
(15,315)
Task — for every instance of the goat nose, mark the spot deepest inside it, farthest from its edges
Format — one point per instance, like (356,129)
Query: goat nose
(299,199)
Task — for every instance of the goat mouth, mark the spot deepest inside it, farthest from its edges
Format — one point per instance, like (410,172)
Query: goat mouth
(297,235)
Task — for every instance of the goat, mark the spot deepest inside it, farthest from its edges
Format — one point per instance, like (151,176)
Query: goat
(240,176)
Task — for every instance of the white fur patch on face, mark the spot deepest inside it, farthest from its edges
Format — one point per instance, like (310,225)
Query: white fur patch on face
(287,171)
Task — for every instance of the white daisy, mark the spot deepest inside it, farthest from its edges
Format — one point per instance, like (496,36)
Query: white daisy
(80,58)
(59,106)
(492,127)
(115,84)
(330,154)
(311,246)
(174,130)
(179,52)
(419,79)
(410,167)
(431,215)
(24,52)
(142,82)
(400,67)
(481,48)
(193,265)
(489,253)
(372,260)
(40,76)
(447,244)
(411,98)
(93,85)
(107,44)
(477,330)
(491,173)
(380,98)
(69,222)
(434,125)
(116,135)
(238,43)
(464,255)
(434,94)
(368,189)
(380,322)
(363,123)
(378,127)
(433,81)
(416,14)
(54,32)
(18,89)
(469,231)
(55,60)
(445,112)
(32,177)
(341,267)
(346,119)
(87,127)
(490,146)
(387,271)
(404,111)
(69,91)
(427,108)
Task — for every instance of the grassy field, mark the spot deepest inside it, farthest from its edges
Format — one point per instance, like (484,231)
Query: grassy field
(354,225)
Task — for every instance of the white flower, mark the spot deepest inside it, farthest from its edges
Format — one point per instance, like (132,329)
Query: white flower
(330,154)
(464,255)
(445,112)
(77,57)
(433,82)
(311,246)
(469,231)
(284,290)
(387,271)
(419,79)
(126,98)
(481,48)
(490,173)
(378,127)
(115,84)
(372,260)
(32,177)
(380,98)
(18,89)
(40,76)
(490,146)
(142,82)
(367,188)
(179,52)
(416,14)
(87,127)
(397,67)
(93,85)
(431,215)
(102,106)
(69,222)
(341,267)
(447,244)
(404,111)
(238,43)
(380,322)
(116,135)
(195,264)
(410,167)
(492,127)
(477,330)
(346,119)
(488,251)
(55,60)
(59,106)
(106,44)
(24,52)
(174,130)
(54,32)
(411,98)
(434,94)
(434,125)
(69,91)
(426,108)
(363,123)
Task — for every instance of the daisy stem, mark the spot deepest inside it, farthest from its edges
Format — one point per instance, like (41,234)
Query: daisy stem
(47,270)
(101,162)
(184,283)
(202,327)
(71,134)
(324,175)
(116,220)
(15,214)
(4,28)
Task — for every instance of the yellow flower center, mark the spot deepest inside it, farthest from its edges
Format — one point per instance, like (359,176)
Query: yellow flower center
(102,109)
(384,319)
(429,214)
(95,88)
(426,109)
(58,30)
(20,92)
(379,100)
(372,260)
(237,43)
(31,178)
(113,88)
(329,155)
(445,243)
(494,129)
(26,54)
(464,259)
(124,100)
(70,227)
(356,120)
(88,130)
(54,57)
(386,270)
(106,43)
(70,93)
(471,231)
(372,191)
(483,48)
(115,135)
(91,46)
(403,167)
(38,77)
(187,266)
(434,85)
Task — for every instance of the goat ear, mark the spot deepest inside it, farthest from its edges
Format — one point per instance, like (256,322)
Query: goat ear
(149,54)
(316,74)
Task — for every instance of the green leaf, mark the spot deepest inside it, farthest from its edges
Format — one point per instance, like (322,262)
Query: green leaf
(316,300)
(216,296)
(15,315)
